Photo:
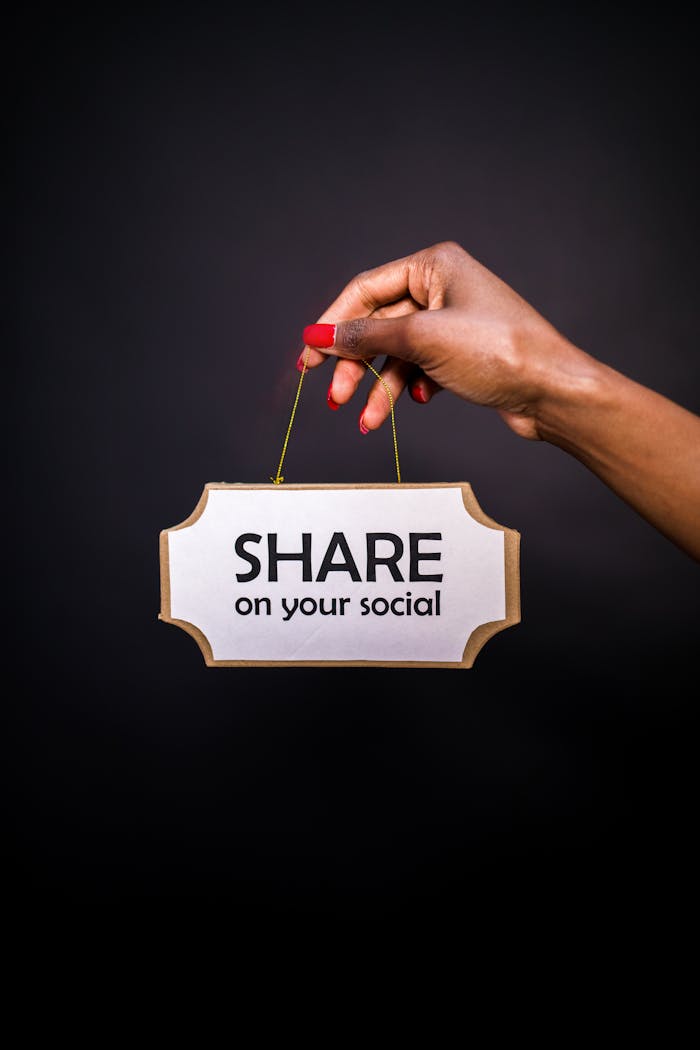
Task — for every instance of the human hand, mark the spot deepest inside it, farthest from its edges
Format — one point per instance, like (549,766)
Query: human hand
(444,321)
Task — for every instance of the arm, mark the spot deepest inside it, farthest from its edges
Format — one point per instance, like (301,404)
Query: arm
(445,322)
(643,446)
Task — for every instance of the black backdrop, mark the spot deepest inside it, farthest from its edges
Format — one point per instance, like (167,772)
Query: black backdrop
(195,188)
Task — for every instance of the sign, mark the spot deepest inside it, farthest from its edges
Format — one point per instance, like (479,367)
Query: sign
(340,575)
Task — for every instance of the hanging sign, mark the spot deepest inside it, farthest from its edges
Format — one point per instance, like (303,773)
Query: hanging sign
(316,575)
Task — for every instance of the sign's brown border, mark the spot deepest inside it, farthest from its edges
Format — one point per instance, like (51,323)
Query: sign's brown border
(475,642)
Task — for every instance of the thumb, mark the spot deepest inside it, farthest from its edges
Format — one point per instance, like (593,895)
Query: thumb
(366,337)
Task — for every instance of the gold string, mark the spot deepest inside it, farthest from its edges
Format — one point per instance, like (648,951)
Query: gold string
(278,479)
(393,421)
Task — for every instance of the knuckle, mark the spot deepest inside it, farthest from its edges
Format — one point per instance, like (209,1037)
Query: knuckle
(415,329)
(353,334)
(360,286)
(379,400)
(441,264)
(447,250)
(348,370)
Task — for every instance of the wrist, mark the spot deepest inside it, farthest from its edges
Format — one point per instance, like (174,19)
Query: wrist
(575,391)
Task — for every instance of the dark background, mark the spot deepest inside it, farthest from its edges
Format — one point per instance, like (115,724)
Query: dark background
(193,189)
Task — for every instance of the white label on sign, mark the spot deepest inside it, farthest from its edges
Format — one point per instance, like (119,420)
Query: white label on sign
(395,574)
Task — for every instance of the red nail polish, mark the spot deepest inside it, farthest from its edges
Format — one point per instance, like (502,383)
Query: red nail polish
(418,394)
(321,335)
(363,428)
(300,363)
(331,403)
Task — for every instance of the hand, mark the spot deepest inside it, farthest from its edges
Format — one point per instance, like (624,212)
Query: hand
(445,321)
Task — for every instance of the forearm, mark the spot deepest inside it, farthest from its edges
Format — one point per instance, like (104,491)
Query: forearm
(443,313)
(643,446)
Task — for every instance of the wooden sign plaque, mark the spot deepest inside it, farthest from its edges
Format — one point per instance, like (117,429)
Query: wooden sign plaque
(340,575)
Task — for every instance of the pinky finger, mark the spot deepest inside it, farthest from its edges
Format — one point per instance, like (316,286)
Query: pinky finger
(422,388)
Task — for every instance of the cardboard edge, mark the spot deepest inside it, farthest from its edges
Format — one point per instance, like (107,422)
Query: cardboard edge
(476,641)
(199,508)
(511,556)
(414,664)
(401,487)
(164,553)
(199,637)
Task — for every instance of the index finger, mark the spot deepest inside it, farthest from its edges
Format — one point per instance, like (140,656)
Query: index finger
(365,293)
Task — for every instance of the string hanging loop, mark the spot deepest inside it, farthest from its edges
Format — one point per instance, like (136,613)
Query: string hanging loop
(279,477)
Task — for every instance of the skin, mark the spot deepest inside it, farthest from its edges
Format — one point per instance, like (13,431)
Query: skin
(446,322)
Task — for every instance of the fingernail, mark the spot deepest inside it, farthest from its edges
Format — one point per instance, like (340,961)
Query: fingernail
(418,394)
(321,335)
(300,363)
(329,398)
(363,428)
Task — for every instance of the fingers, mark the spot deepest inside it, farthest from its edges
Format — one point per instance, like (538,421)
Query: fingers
(309,358)
(366,293)
(396,374)
(425,278)
(422,388)
(349,374)
(366,337)
(378,407)
(370,290)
